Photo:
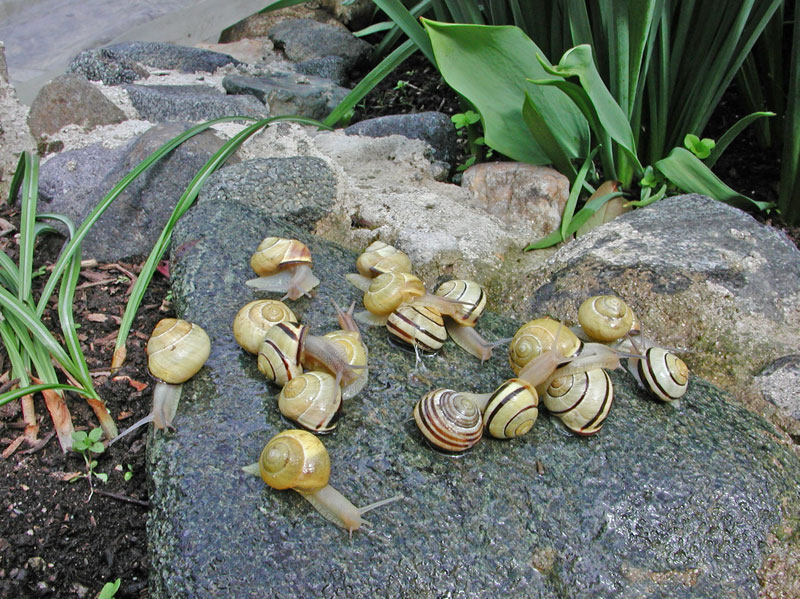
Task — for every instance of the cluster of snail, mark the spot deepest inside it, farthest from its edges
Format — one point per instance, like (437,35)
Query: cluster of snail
(569,374)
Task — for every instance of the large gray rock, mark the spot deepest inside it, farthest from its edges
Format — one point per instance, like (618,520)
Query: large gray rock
(435,128)
(133,222)
(289,93)
(161,55)
(106,65)
(14,135)
(71,100)
(303,39)
(664,502)
(701,275)
(159,103)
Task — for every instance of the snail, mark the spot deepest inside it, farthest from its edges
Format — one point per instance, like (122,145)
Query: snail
(378,258)
(605,318)
(313,400)
(283,265)
(176,350)
(418,326)
(252,322)
(461,325)
(582,400)
(296,459)
(449,420)
(657,370)
(510,410)
(538,336)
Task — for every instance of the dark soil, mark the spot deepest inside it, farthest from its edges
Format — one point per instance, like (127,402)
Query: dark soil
(56,541)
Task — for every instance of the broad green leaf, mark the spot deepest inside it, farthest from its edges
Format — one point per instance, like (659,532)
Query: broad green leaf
(691,175)
(490,66)
(551,146)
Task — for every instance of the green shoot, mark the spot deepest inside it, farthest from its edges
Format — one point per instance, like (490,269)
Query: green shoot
(88,444)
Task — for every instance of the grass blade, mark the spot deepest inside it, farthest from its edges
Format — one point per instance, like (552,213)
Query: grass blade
(406,21)
(10,396)
(731,134)
(27,233)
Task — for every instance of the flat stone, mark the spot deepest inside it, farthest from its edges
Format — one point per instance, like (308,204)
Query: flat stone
(327,67)
(434,128)
(159,103)
(103,64)
(303,39)
(161,55)
(667,501)
(67,100)
(519,193)
(259,24)
(289,93)
(68,176)
(301,188)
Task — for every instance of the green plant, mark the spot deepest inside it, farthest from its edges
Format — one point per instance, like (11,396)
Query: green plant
(109,590)
(89,444)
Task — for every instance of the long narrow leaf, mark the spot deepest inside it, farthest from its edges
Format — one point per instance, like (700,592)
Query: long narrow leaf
(789,193)
(9,396)
(27,233)
(572,200)
(16,180)
(406,21)
(731,134)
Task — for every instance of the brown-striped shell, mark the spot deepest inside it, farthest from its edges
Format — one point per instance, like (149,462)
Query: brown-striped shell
(449,421)
(512,410)
(279,354)
(605,318)
(417,326)
(313,400)
(582,401)
(470,293)
(538,336)
(388,290)
(176,350)
(253,320)
(380,257)
(276,253)
(295,459)
(662,373)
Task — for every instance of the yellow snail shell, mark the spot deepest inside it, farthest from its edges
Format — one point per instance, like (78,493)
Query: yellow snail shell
(313,400)
(380,257)
(355,353)
(176,350)
(662,373)
(389,290)
(295,459)
(277,253)
(512,410)
(470,293)
(279,354)
(449,420)
(252,322)
(417,326)
(605,317)
(582,401)
(538,336)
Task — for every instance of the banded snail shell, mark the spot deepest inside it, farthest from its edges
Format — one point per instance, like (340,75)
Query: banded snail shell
(253,320)
(380,257)
(512,410)
(176,350)
(276,253)
(469,292)
(448,420)
(663,374)
(417,326)
(295,459)
(605,317)
(279,354)
(389,290)
(538,336)
(313,400)
(582,401)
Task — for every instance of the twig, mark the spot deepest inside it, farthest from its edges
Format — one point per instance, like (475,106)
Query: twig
(120,497)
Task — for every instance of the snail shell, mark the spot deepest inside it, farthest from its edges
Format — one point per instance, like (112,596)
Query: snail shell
(252,322)
(417,326)
(662,373)
(295,459)
(389,290)
(313,400)
(355,353)
(448,420)
(512,410)
(176,350)
(605,317)
(279,354)
(582,400)
(277,253)
(538,336)
(380,257)
(472,296)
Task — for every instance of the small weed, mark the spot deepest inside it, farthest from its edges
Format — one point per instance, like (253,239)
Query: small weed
(87,444)
(109,590)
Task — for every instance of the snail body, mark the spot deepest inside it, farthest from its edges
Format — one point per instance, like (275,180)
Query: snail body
(283,265)
(582,401)
(296,459)
(449,420)
(253,320)
(538,336)
(605,318)
(176,350)
(313,400)
(417,326)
